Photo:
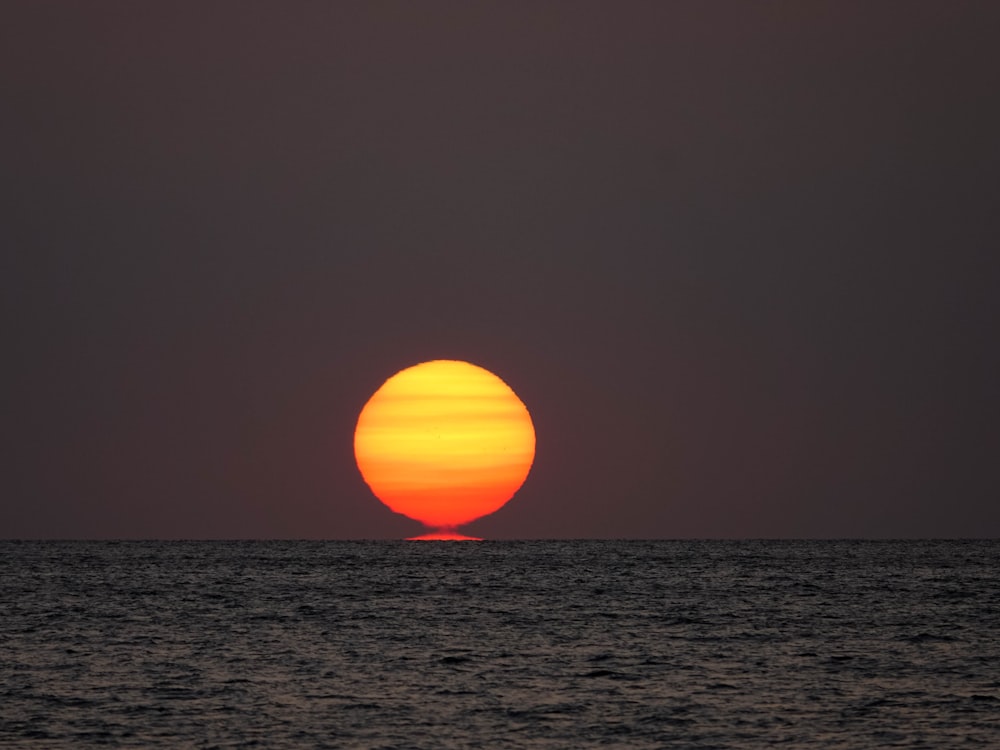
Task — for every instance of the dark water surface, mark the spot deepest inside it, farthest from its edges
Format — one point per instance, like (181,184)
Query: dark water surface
(496,644)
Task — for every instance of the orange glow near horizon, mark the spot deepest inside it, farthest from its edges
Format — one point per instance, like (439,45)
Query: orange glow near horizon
(445,443)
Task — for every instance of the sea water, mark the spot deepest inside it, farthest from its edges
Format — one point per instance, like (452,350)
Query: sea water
(818,644)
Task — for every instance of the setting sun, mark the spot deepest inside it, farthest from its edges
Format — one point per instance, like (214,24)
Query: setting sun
(444,442)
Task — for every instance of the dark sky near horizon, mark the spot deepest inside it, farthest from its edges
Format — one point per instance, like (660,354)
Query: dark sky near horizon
(740,260)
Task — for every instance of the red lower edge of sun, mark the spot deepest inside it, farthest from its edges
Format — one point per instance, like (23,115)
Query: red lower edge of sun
(444,536)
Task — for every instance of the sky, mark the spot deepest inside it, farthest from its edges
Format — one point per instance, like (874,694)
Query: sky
(739,260)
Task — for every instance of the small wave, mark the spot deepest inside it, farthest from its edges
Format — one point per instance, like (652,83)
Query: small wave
(610,674)
(928,638)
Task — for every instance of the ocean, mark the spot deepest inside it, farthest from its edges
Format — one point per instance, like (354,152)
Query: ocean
(540,644)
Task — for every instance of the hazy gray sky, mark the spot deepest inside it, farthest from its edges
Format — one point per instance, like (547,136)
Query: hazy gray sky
(738,259)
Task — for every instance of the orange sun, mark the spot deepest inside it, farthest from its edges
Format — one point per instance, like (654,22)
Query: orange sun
(444,442)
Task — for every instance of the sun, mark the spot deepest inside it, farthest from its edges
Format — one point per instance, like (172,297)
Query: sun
(444,442)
